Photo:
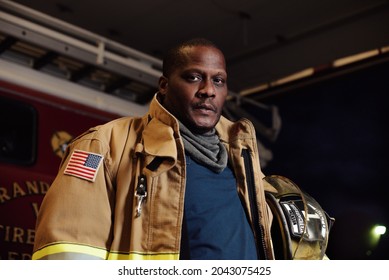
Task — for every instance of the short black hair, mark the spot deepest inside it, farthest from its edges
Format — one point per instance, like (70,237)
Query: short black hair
(174,58)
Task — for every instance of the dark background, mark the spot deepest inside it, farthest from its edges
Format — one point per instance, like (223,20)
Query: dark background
(333,144)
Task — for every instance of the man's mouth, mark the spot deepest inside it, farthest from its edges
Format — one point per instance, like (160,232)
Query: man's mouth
(206,107)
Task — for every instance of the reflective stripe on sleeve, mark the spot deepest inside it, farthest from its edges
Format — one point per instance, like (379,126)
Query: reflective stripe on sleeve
(70,251)
(64,251)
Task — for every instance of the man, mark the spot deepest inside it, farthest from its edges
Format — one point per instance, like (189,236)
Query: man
(181,182)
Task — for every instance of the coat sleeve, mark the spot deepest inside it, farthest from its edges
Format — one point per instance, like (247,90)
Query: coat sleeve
(74,220)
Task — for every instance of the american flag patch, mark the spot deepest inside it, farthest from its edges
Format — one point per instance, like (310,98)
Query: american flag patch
(84,165)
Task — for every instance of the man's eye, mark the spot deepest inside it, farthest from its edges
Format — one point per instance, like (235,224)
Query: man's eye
(193,78)
(219,81)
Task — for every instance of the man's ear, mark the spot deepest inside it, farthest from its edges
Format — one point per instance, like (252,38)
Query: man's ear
(163,85)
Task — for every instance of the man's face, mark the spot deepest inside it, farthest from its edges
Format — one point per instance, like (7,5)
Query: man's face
(195,91)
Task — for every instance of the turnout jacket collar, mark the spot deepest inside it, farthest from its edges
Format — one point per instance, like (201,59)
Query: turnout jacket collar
(160,137)
(81,219)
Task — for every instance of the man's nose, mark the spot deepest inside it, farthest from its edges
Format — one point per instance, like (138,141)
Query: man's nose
(207,89)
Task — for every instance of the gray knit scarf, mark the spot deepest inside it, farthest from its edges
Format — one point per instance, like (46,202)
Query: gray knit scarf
(205,149)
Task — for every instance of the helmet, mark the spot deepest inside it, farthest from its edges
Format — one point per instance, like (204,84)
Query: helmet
(300,228)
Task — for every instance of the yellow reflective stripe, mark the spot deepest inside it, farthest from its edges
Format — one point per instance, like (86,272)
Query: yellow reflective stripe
(69,248)
(143,256)
(59,248)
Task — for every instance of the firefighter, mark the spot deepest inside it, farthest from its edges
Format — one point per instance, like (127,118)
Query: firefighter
(181,182)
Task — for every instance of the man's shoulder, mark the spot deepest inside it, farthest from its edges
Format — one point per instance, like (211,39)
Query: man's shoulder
(241,127)
(112,129)
(118,123)
(229,123)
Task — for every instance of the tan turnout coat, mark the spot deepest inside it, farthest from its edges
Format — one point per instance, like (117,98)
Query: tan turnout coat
(83,219)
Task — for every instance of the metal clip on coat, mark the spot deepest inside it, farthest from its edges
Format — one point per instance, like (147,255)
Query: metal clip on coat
(140,194)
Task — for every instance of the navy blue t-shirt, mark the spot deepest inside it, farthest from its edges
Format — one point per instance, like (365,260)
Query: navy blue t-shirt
(217,225)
